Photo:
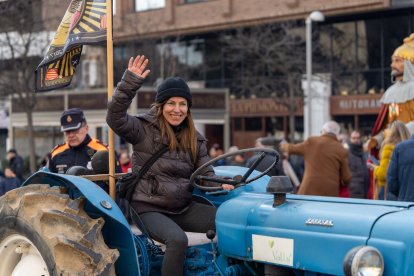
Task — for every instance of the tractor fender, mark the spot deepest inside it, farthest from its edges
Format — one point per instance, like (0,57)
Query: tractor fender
(116,230)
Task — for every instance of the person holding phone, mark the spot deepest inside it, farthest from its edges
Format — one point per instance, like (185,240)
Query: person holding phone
(396,133)
(372,161)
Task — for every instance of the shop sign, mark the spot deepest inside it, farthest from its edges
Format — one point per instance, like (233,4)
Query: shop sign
(262,107)
(359,104)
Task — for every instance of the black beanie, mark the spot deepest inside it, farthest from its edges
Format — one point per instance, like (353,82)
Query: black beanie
(173,87)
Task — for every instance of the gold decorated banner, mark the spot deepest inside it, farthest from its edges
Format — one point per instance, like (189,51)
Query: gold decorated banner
(84,23)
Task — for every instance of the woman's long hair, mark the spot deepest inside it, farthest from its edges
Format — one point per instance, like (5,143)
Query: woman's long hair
(397,132)
(185,139)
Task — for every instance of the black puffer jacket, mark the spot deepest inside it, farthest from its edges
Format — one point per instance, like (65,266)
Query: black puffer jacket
(358,187)
(165,187)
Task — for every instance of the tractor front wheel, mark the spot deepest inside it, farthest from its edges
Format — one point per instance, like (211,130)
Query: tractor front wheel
(44,232)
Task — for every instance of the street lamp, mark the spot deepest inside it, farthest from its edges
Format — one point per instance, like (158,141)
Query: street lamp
(316,16)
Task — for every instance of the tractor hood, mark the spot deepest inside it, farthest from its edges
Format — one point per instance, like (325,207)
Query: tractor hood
(299,232)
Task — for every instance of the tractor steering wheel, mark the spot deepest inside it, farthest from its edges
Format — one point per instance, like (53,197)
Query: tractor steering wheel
(239,181)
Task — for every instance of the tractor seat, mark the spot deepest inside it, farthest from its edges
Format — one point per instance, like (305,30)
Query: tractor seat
(193,237)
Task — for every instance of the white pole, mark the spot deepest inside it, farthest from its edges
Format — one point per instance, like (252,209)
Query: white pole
(309,76)
(314,16)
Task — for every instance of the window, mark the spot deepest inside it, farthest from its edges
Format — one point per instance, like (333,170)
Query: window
(253,124)
(195,59)
(183,58)
(92,73)
(144,5)
(237,124)
(193,1)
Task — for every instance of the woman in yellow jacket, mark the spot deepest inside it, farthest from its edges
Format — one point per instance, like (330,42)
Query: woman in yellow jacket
(394,134)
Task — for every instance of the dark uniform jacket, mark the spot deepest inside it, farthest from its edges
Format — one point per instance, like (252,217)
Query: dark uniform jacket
(64,156)
(165,187)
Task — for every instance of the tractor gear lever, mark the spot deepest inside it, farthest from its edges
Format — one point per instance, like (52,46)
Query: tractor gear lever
(211,234)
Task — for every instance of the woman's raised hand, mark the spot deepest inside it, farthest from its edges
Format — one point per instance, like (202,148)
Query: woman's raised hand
(138,65)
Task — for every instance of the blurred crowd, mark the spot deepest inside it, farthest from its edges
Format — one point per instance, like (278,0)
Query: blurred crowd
(332,164)
(11,176)
(292,166)
(339,164)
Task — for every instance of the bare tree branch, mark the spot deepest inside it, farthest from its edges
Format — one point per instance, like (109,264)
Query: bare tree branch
(23,42)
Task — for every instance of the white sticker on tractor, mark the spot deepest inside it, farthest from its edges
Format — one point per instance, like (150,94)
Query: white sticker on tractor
(273,250)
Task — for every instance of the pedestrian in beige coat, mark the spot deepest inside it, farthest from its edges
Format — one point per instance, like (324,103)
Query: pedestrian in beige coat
(326,162)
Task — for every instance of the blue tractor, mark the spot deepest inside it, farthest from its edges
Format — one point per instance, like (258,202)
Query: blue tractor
(67,225)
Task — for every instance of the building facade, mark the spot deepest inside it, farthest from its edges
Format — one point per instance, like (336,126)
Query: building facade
(210,110)
(353,46)
(197,39)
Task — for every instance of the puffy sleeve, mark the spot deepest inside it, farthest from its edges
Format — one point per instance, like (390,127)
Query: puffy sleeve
(126,126)
(202,158)
(380,172)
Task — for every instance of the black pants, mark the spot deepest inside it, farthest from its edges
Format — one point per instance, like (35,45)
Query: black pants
(170,230)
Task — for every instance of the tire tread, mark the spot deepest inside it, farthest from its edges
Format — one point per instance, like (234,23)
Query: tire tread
(74,239)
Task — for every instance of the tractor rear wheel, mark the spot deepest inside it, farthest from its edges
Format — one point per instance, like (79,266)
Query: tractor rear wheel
(44,232)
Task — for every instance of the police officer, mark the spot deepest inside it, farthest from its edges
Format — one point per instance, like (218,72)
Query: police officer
(78,148)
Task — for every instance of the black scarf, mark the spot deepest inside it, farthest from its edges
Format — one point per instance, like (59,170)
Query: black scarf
(356,149)
(177,129)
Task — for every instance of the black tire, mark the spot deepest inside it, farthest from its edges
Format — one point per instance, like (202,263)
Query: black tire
(68,240)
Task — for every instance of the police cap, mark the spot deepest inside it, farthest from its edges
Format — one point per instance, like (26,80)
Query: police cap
(71,119)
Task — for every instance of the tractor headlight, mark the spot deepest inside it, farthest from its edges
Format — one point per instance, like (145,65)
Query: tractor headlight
(363,261)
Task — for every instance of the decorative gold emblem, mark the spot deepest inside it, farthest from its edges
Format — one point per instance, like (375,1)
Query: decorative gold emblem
(69,119)
(393,112)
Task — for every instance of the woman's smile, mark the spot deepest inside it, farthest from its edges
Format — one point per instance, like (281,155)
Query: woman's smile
(175,110)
